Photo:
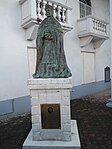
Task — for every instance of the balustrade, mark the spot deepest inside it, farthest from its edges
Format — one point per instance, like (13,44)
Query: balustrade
(59,10)
(92,26)
(33,12)
(99,25)
(92,29)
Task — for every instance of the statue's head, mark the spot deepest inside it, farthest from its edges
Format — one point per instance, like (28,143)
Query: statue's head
(49,10)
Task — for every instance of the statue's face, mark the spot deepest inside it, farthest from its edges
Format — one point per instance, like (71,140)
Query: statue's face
(48,13)
(49,10)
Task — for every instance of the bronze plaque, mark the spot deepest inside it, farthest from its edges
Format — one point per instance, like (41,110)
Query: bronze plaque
(50,116)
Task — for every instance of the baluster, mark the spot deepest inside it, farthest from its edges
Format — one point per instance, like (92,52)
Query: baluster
(96,25)
(93,23)
(105,28)
(43,9)
(102,27)
(54,11)
(99,26)
(59,13)
(49,3)
(63,15)
(38,9)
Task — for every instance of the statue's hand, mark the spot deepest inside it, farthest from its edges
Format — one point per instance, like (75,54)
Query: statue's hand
(48,36)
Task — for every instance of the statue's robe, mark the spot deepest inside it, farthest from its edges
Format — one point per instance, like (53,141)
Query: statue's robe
(51,61)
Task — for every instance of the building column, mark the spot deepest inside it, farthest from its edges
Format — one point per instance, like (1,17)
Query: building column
(109,104)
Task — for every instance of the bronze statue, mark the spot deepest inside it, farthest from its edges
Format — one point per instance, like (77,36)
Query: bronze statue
(51,61)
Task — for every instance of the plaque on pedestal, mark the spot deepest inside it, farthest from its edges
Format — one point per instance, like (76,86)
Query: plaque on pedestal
(50,116)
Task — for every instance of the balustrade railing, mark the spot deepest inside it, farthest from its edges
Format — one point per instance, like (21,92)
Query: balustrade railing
(33,12)
(92,26)
(99,25)
(92,30)
(59,11)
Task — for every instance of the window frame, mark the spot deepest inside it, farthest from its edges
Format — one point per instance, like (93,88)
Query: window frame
(86,2)
(83,7)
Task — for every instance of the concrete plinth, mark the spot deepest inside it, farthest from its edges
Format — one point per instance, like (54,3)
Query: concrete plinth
(50,91)
(52,144)
(52,127)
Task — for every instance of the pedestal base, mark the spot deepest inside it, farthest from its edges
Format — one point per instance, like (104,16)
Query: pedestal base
(53,144)
(50,108)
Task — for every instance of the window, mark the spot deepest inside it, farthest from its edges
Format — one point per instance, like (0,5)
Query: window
(85,8)
(107,74)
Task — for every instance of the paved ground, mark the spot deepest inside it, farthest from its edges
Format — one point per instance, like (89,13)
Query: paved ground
(94,121)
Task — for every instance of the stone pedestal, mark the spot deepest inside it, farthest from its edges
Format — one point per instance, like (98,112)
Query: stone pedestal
(51,118)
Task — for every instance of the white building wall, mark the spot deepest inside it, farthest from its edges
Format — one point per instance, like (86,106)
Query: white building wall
(72,45)
(13,52)
(103,57)
(14,70)
(101,9)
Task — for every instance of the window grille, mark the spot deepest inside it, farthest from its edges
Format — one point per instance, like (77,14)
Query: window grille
(85,8)
(87,2)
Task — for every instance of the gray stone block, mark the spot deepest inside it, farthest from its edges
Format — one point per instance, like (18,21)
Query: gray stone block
(22,104)
(90,88)
(6,107)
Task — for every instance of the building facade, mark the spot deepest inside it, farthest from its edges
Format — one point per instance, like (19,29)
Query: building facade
(87,45)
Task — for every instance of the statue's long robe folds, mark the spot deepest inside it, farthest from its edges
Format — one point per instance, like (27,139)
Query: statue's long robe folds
(51,61)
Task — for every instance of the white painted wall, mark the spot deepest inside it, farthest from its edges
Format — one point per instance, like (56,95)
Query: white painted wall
(72,45)
(101,9)
(14,51)
(103,57)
